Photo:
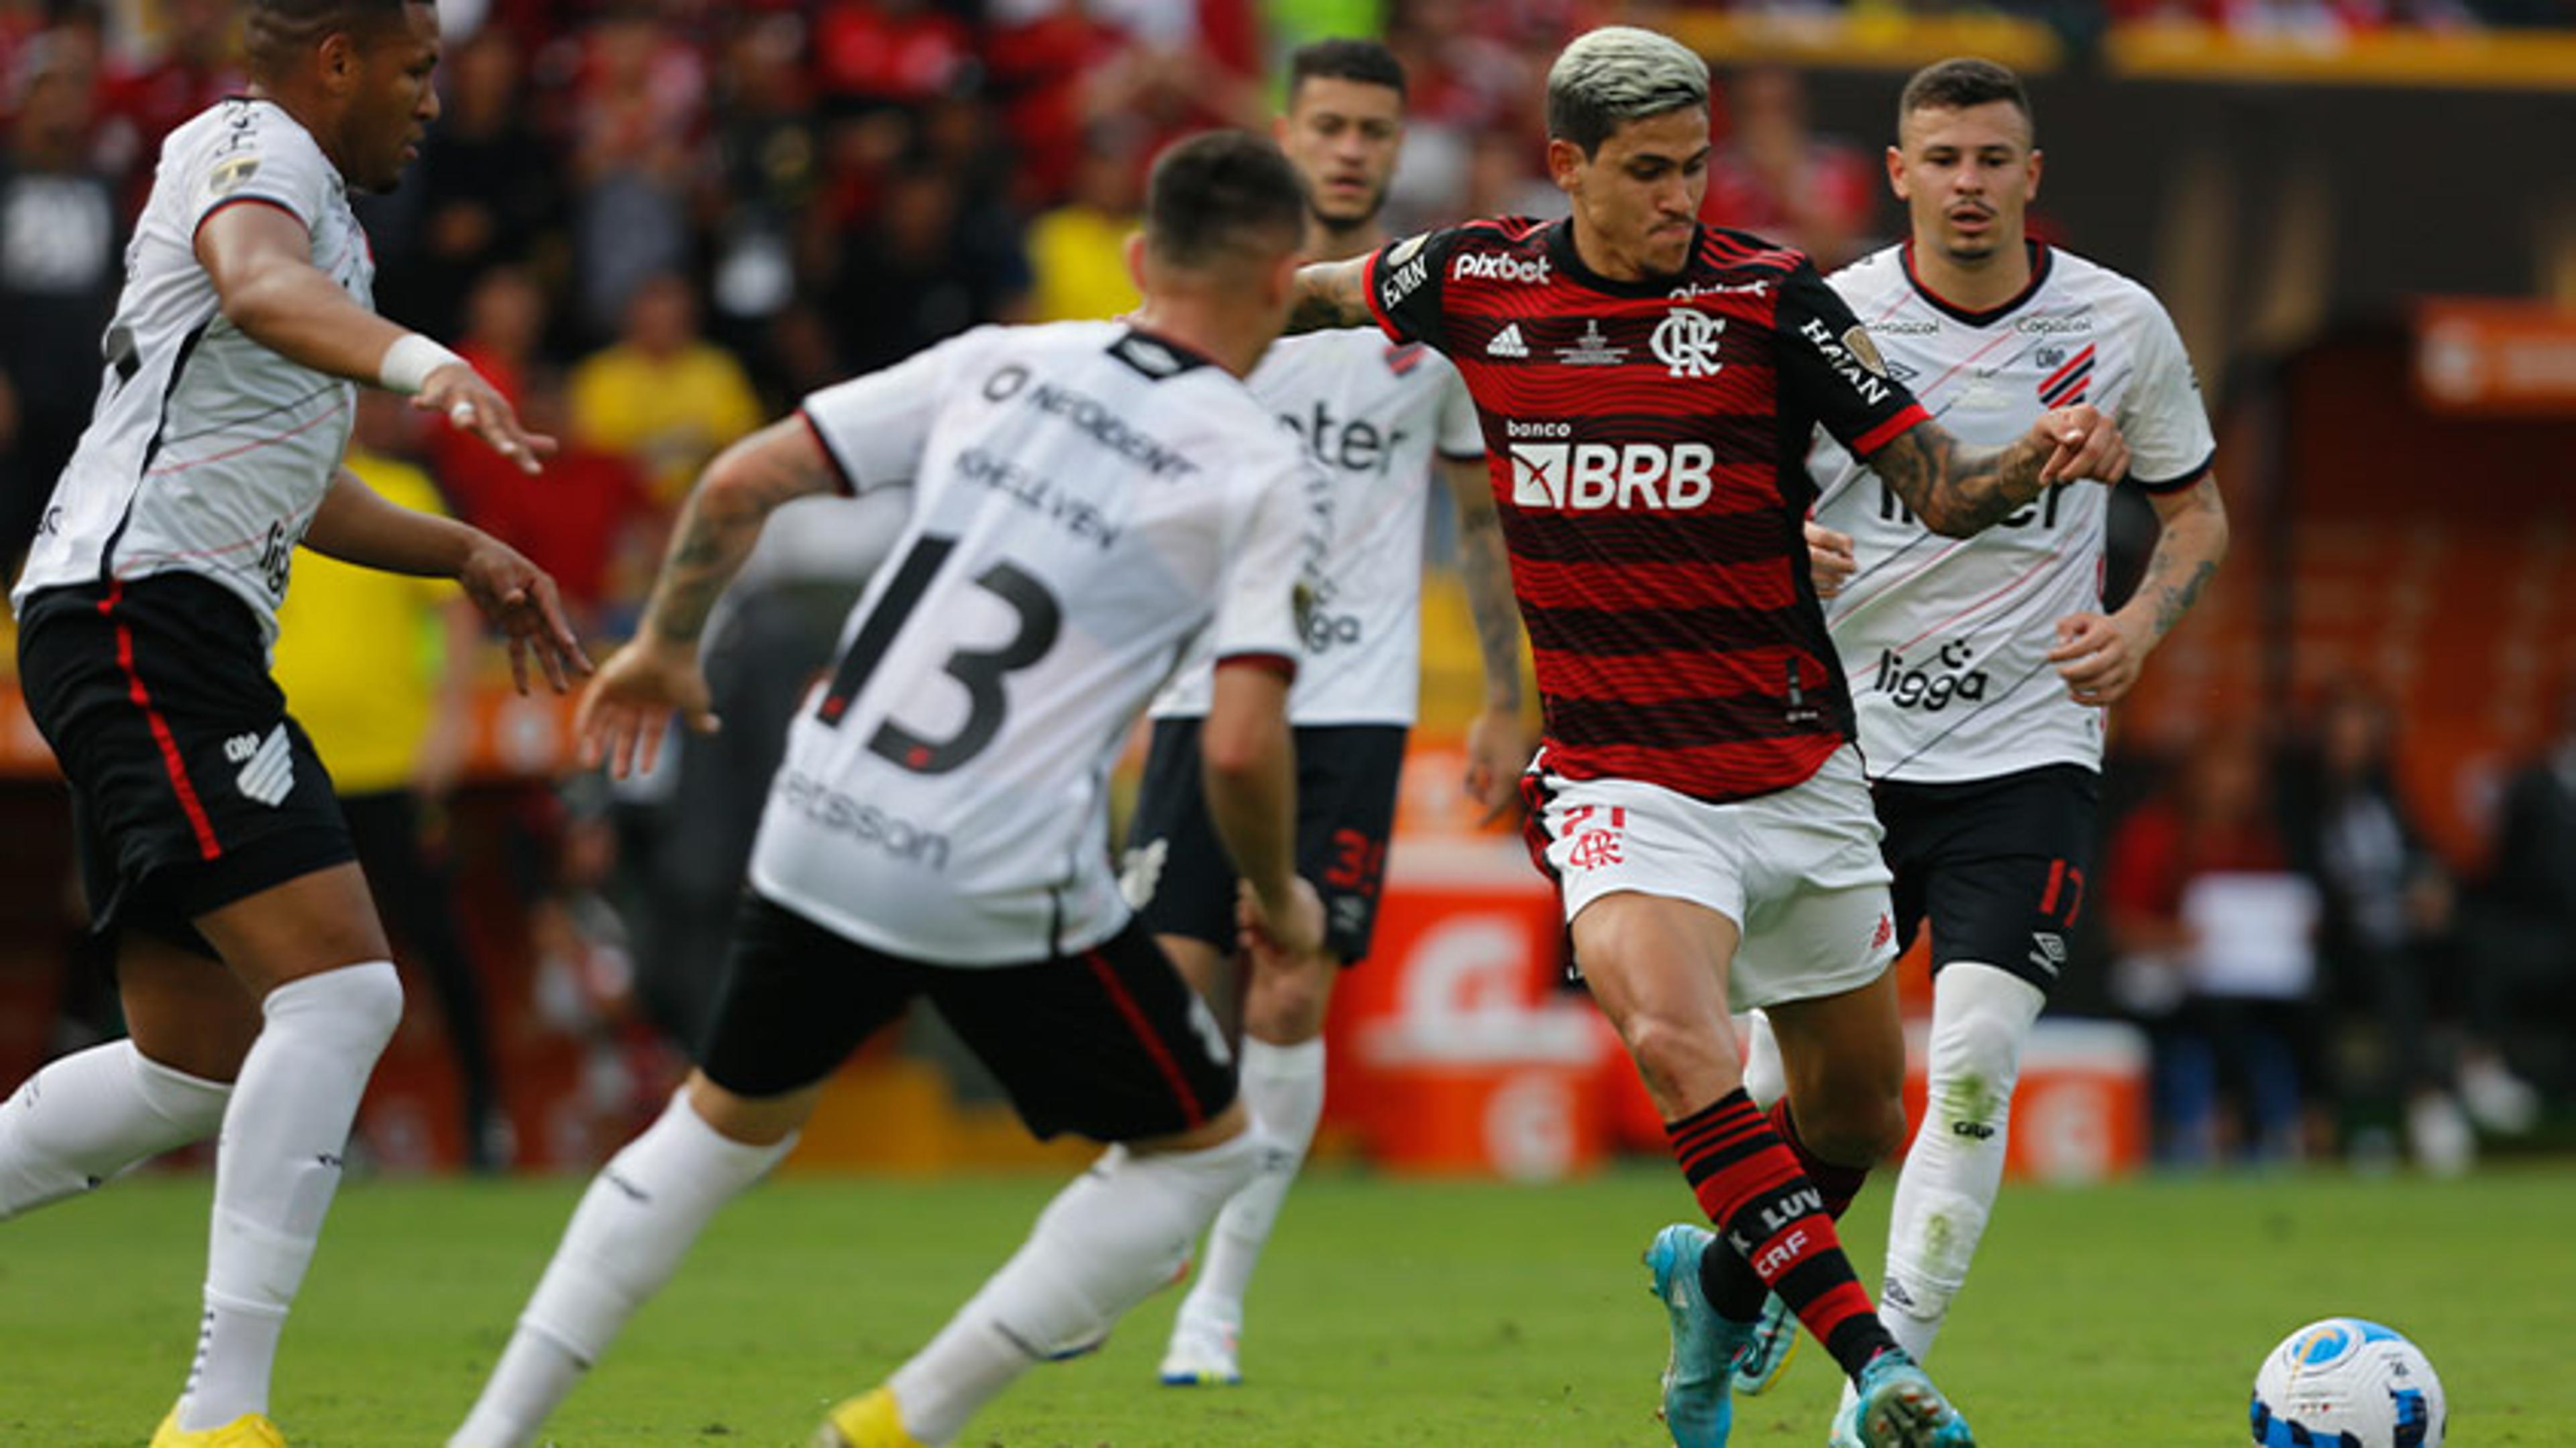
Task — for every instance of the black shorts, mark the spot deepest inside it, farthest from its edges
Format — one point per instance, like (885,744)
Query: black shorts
(1178,874)
(1999,865)
(1109,1043)
(191,787)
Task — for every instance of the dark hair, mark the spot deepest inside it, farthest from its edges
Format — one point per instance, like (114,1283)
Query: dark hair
(1365,61)
(1222,191)
(279,30)
(1960,83)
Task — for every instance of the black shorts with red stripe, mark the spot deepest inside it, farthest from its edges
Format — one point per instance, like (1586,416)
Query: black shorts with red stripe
(1107,1043)
(1998,866)
(191,786)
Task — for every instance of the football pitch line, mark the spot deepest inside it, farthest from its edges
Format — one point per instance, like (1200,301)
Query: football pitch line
(1389,1311)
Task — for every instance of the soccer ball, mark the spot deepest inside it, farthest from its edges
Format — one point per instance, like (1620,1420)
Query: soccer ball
(2347,1383)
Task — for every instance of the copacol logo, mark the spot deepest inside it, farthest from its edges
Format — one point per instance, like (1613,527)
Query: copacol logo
(1931,688)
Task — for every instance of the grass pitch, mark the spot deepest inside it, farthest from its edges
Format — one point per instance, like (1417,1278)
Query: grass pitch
(1388,1312)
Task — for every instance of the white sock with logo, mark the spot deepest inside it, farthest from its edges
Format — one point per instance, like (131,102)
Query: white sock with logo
(276,1170)
(86,1117)
(1981,1019)
(1283,1086)
(638,1219)
(1121,1230)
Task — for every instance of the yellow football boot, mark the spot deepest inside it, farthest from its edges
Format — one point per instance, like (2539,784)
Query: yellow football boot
(250,1430)
(869,1420)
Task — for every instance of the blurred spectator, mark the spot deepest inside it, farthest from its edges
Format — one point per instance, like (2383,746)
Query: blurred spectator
(191,65)
(2387,930)
(1078,251)
(902,53)
(1776,178)
(769,168)
(588,521)
(505,318)
(638,111)
(661,394)
(2525,940)
(2216,958)
(482,194)
(917,275)
(393,729)
(59,275)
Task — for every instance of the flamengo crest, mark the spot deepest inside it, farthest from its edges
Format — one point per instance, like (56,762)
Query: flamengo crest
(1685,341)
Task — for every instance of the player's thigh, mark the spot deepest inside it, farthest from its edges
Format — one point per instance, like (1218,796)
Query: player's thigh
(1108,1043)
(2007,886)
(1656,965)
(1176,872)
(317,921)
(1347,779)
(795,1000)
(183,1008)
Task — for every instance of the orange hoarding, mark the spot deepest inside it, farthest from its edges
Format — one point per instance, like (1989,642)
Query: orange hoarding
(2496,358)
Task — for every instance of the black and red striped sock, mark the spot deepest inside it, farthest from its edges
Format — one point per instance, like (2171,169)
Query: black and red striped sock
(1774,1218)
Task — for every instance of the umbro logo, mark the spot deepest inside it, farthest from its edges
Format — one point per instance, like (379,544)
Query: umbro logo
(1507,342)
(267,765)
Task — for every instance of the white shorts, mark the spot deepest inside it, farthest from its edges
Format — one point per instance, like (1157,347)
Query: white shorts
(1798,871)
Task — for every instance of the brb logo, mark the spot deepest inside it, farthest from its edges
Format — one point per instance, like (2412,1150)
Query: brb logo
(1685,341)
(1931,688)
(1596,476)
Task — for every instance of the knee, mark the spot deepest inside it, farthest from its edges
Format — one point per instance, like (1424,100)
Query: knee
(1682,1062)
(365,1002)
(1286,1004)
(1855,1129)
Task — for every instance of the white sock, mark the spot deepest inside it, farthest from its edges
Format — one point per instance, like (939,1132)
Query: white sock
(1981,1019)
(276,1170)
(1284,1088)
(1765,1079)
(639,1217)
(92,1114)
(1121,1230)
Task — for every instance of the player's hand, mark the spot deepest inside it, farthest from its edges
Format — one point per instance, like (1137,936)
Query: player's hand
(1830,558)
(520,600)
(628,708)
(2098,657)
(470,404)
(2084,444)
(1298,930)
(1498,749)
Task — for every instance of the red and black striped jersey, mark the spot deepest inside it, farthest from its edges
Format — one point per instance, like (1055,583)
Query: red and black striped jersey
(1648,445)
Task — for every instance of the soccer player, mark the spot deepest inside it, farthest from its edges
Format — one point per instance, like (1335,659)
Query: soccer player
(255,978)
(1984,665)
(1648,386)
(1371,414)
(1086,499)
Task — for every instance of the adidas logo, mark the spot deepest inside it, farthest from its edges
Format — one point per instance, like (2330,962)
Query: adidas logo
(267,765)
(1507,342)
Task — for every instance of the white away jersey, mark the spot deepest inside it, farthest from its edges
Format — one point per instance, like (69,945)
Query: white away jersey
(1370,413)
(1087,503)
(207,452)
(1945,639)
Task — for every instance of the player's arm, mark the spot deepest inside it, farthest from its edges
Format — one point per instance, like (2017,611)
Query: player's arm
(656,674)
(1248,765)
(1330,294)
(259,257)
(1959,490)
(1498,740)
(355,524)
(2100,658)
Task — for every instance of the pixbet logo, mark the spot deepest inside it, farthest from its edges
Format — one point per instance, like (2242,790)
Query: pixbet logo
(1495,266)
(1592,476)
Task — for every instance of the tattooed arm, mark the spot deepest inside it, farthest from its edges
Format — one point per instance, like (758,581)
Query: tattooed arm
(626,709)
(1331,294)
(1498,739)
(1958,490)
(2100,658)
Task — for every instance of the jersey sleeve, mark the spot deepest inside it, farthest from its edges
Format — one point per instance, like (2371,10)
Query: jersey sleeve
(1830,370)
(1462,435)
(2162,415)
(1403,282)
(1270,570)
(875,427)
(258,158)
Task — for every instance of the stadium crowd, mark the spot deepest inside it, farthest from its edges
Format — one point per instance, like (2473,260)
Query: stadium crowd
(653,226)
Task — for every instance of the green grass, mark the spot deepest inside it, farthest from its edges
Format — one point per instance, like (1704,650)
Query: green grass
(1389,1312)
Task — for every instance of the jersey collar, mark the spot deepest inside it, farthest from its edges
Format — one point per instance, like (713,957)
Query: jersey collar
(2039,267)
(1156,356)
(1560,249)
